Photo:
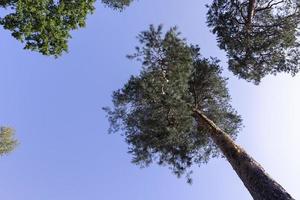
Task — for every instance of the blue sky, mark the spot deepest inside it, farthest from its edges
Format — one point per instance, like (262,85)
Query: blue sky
(65,151)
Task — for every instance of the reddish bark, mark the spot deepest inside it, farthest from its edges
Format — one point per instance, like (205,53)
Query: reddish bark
(260,185)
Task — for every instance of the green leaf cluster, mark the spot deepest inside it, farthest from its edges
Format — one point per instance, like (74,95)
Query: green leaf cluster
(45,25)
(154,109)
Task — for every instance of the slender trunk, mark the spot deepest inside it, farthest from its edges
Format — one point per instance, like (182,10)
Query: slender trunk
(250,13)
(260,185)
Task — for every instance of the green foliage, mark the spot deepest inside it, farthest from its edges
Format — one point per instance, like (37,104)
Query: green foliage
(45,25)
(117,4)
(7,141)
(260,40)
(155,108)
(7,3)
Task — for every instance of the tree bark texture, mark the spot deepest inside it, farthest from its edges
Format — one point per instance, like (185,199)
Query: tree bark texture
(250,14)
(260,185)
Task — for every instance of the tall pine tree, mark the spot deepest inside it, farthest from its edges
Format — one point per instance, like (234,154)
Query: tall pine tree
(177,112)
(259,36)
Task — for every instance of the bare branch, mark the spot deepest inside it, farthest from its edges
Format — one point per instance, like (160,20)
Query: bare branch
(269,5)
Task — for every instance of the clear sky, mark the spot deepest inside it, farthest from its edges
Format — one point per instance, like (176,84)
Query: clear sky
(65,151)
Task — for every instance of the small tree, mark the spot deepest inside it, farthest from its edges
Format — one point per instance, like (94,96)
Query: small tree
(177,112)
(259,36)
(7,141)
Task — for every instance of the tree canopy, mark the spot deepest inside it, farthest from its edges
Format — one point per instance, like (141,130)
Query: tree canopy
(44,26)
(155,108)
(7,141)
(259,36)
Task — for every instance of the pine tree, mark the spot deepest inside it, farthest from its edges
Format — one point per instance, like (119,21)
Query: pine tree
(259,36)
(7,141)
(177,113)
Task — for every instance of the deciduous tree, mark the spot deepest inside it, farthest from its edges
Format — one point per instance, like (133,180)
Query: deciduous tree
(45,25)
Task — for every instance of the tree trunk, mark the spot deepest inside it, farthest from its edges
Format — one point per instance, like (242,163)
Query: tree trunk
(260,185)
(250,14)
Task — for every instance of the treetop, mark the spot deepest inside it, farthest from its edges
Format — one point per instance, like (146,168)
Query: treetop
(154,110)
(259,36)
